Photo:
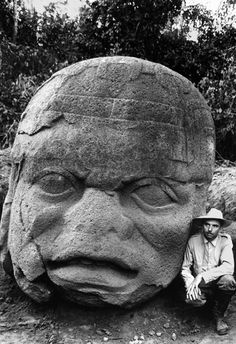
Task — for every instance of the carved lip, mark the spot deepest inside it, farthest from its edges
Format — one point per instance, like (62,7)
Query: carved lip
(91,273)
(113,264)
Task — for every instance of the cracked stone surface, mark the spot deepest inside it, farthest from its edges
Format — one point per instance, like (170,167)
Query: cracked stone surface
(112,160)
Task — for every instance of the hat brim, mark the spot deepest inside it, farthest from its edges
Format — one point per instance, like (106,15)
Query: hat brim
(201,219)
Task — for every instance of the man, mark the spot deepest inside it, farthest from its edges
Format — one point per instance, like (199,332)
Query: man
(208,267)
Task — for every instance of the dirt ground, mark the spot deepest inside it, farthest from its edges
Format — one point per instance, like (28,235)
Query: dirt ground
(164,319)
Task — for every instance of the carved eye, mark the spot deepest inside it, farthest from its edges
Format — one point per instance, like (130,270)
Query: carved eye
(55,183)
(153,196)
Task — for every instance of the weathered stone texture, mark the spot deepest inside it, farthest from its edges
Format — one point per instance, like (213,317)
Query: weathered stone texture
(222,195)
(222,191)
(112,160)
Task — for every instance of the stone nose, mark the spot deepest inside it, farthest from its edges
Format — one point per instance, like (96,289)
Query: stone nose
(100,214)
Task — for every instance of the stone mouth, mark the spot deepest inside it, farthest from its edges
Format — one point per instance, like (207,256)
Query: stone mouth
(91,271)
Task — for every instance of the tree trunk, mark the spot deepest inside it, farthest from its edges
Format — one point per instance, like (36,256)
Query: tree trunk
(15,20)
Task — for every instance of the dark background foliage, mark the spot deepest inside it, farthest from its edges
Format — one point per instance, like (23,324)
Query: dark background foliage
(33,46)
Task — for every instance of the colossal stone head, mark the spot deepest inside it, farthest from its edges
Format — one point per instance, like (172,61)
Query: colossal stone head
(111,162)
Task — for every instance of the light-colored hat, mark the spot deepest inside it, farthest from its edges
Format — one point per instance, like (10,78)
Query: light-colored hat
(214,214)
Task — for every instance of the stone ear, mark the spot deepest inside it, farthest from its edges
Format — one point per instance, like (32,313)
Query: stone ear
(5,257)
(7,264)
(4,228)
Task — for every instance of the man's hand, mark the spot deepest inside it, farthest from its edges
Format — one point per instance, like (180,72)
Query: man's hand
(193,291)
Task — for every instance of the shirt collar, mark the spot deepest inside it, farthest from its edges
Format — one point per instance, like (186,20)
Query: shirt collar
(213,242)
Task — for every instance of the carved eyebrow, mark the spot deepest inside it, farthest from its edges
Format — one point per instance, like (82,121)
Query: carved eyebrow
(42,169)
(171,182)
(50,170)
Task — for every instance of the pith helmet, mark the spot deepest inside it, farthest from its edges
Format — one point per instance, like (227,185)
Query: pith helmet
(214,214)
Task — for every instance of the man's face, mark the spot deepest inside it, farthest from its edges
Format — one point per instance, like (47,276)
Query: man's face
(105,229)
(211,229)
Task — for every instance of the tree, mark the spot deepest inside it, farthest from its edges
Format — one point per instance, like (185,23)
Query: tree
(16,18)
(59,35)
(6,18)
(126,27)
(219,88)
(218,84)
(30,58)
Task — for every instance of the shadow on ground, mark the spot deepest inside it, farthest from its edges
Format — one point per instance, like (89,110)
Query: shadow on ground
(164,319)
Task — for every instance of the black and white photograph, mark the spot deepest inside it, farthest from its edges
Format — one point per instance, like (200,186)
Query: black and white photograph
(117,171)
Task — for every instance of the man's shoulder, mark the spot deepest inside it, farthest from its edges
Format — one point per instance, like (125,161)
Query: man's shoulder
(225,237)
(195,238)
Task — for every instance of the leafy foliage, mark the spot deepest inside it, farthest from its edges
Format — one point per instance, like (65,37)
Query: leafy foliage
(125,27)
(218,84)
(6,18)
(59,35)
(29,62)
(221,95)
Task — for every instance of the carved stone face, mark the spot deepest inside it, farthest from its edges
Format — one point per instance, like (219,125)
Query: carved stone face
(102,193)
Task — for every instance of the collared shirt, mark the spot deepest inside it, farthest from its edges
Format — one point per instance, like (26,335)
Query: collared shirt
(211,259)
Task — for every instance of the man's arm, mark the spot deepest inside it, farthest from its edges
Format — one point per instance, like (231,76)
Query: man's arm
(191,283)
(226,266)
(186,267)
